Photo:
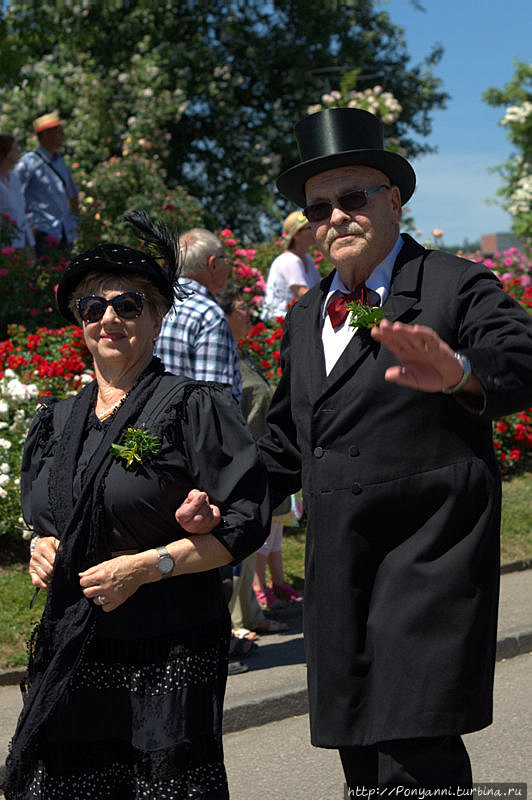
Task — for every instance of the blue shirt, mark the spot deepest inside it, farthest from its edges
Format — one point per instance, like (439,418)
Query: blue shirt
(46,195)
(196,341)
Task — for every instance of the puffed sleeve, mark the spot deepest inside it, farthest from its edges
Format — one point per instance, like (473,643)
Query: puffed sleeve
(37,448)
(224,461)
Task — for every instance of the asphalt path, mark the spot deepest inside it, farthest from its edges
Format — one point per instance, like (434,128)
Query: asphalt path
(277,762)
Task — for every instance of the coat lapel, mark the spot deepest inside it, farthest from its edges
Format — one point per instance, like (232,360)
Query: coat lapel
(403,295)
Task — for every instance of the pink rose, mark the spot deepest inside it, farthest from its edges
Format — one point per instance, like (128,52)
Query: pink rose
(3,273)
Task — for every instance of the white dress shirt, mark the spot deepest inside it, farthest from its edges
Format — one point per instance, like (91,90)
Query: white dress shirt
(335,341)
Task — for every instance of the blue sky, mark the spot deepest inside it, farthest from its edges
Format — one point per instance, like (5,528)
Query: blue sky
(481,38)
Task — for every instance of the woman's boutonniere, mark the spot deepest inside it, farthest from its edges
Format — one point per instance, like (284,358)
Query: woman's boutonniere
(363,316)
(137,443)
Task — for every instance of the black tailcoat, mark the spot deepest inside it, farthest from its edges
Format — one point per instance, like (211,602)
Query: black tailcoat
(402,493)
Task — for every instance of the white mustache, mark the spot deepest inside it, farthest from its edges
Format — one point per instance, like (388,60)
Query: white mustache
(334,233)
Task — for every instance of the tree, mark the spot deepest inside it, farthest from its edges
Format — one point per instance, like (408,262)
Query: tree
(208,91)
(516,172)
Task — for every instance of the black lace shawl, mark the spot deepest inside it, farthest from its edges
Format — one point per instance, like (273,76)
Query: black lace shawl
(68,618)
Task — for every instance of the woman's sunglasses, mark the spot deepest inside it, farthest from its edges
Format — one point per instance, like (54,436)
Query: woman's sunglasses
(351,201)
(127,305)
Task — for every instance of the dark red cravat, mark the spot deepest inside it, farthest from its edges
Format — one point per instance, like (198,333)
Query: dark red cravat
(337,308)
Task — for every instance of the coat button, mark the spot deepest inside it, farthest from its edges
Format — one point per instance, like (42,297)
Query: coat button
(354,451)
(318,452)
(356,488)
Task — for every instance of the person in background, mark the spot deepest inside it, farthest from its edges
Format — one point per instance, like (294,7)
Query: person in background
(246,612)
(128,666)
(293,272)
(11,198)
(48,187)
(195,339)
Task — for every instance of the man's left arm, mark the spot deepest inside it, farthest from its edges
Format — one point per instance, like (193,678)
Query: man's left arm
(494,336)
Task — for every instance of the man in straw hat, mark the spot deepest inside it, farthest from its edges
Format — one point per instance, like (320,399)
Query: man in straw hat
(49,190)
(388,430)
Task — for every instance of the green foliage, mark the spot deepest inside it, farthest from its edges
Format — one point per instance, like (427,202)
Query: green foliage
(27,288)
(363,316)
(122,184)
(137,445)
(516,172)
(209,93)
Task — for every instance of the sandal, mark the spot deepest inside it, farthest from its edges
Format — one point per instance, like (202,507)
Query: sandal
(271,626)
(244,633)
(236,668)
(240,648)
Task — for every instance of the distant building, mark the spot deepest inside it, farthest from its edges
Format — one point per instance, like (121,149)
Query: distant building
(491,243)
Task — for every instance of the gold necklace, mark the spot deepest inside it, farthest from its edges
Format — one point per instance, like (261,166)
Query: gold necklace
(112,409)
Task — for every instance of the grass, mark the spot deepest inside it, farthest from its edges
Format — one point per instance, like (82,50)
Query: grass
(16,620)
(516,529)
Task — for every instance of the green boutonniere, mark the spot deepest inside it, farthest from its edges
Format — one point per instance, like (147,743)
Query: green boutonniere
(136,444)
(364,316)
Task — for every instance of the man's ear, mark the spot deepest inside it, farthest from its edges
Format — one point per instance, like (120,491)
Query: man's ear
(395,199)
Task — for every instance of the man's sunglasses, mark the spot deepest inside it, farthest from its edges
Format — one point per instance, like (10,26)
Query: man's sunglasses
(351,201)
(127,305)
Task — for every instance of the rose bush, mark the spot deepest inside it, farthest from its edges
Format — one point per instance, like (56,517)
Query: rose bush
(36,361)
(32,365)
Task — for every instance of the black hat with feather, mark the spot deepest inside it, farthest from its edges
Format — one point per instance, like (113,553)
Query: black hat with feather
(159,262)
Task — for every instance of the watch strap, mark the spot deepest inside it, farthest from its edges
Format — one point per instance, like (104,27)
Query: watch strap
(164,555)
(464,380)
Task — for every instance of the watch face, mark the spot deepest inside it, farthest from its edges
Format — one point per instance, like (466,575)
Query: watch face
(165,564)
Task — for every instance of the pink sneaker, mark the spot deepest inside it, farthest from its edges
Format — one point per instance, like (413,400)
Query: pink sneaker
(287,592)
(266,598)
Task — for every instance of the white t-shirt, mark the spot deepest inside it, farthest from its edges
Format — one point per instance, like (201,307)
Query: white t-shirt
(287,270)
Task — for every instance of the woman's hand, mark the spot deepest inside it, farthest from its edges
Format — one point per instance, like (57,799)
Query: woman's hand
(113,581)
(42,561)
(196,514)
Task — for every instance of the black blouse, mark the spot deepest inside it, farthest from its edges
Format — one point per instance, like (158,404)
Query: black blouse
(205,444)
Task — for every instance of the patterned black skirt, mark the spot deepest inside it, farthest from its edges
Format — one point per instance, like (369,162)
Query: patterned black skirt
(141,719)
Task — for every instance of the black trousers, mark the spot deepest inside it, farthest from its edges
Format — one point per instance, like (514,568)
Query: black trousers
(429,763)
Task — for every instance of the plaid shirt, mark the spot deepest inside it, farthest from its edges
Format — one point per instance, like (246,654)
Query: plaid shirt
(195,340)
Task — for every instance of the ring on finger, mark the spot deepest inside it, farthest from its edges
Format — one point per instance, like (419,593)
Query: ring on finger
(100,600)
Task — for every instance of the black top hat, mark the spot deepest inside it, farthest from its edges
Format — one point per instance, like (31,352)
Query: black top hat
(339,137)
(121,260)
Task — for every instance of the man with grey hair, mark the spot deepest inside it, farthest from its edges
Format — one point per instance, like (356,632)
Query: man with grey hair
(195,339)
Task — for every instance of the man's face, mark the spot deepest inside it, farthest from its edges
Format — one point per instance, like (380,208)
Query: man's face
(53,138)
(355,241)
(220,271)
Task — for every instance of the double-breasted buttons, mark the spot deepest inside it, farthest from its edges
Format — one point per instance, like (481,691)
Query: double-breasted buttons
(318,452)
(356,488)
(354,451)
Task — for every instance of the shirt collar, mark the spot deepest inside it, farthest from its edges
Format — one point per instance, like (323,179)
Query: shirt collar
(196,287)
(379,280)
(45,152)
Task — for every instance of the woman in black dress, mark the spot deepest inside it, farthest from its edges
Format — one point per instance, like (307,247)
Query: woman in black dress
(128,666)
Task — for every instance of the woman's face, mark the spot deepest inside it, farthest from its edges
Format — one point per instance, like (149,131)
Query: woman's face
(113,340)
(12,156)
(239,319)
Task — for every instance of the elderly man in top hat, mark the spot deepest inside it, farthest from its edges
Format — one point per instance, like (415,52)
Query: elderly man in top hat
(388,430)
(49,190)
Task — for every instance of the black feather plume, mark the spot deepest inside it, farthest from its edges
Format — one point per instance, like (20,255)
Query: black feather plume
(160,242)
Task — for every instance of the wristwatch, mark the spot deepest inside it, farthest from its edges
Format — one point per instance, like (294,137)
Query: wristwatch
(165,562)
(464,380)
